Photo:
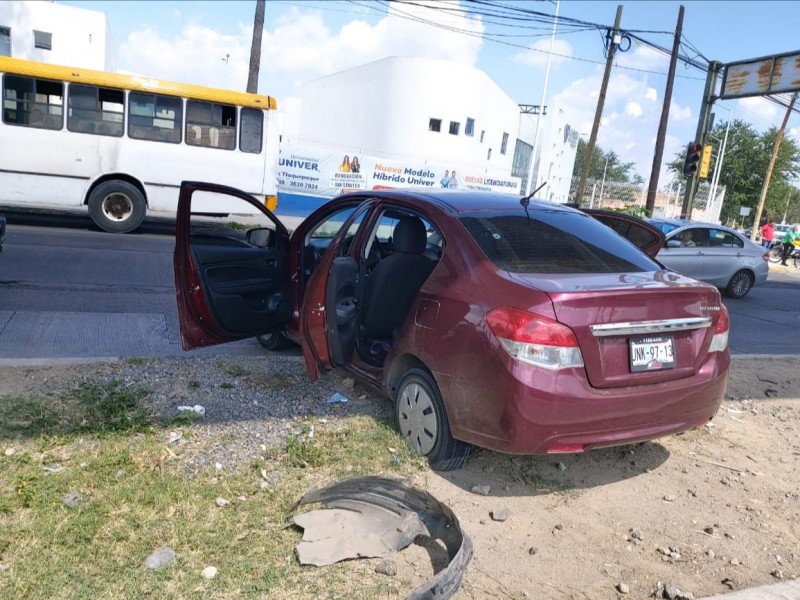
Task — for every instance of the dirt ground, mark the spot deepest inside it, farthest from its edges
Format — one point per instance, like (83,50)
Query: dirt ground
(709,511)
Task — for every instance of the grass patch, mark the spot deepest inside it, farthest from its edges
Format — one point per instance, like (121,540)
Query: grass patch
(90,407)
(233,370)
(97,441)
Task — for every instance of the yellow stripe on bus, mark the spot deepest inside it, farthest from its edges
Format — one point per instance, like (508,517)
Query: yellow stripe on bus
(135,83)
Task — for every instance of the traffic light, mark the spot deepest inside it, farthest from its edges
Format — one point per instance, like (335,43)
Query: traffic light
(705,161)
(692,158)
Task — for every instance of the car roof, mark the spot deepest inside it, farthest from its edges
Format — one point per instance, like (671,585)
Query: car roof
(464,201)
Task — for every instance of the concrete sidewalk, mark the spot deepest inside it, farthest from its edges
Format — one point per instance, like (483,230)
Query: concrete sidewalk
(788,590)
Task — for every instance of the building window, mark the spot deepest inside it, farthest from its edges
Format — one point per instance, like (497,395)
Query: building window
(33,102)
(42,40)
(95,110)
(483,133)
(5,41)
(156,118)
(489,154)
(454,127)
(504,145)
(435,125)
(469,129)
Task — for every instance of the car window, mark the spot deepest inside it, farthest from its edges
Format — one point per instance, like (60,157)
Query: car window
(719,237)
(553,242)
(381,241)
(688,238)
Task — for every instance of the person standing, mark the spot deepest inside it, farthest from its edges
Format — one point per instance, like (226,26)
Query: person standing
(788,244)
(767,233)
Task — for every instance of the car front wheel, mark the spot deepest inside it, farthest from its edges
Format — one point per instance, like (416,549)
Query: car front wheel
(740,284)
(422,420)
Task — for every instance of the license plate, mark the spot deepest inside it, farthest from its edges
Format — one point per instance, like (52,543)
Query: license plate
(652,353)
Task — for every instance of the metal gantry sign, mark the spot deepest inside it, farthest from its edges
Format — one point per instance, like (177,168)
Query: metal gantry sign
(766,76)
(776,74)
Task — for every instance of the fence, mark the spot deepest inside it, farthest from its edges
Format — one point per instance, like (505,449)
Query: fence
(615,195)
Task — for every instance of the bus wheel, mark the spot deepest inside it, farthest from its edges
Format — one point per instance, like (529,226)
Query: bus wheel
(117,206)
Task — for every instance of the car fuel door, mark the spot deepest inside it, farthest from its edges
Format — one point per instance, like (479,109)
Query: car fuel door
(231,266)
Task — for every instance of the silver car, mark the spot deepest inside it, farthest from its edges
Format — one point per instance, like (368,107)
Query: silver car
(716,254)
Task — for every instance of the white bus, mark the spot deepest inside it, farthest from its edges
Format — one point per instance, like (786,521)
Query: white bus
(120,145)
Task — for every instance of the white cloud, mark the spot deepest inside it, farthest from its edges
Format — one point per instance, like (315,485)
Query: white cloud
(679,113)
(759,110)
(643,57)
(651,94)
(634,109)
(537,54)
(300,46)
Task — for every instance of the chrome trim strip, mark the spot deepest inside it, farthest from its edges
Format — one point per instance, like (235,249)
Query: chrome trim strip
(644,327)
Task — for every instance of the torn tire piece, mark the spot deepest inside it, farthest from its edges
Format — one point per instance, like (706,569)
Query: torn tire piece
(375,517)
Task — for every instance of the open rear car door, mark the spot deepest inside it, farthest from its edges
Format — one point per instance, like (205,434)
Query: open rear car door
(231,282)
(641,234)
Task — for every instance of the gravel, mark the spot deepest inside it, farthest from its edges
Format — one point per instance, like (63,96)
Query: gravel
(250,404)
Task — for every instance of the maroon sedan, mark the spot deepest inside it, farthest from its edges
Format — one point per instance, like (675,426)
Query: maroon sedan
(520,327)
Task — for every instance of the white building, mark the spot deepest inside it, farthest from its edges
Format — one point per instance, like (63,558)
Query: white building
(427,115)
(555,151)
(56,34)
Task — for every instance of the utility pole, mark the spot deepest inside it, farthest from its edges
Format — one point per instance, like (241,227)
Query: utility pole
(700,136)
(768,176)
(531,182)
(662,126)
(255,49)
(613,42)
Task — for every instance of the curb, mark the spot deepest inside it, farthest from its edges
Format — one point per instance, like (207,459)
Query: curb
(50,362)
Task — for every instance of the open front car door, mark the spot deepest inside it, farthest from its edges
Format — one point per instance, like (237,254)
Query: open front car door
(231,266)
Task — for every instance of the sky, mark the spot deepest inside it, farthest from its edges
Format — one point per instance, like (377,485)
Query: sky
(208,43)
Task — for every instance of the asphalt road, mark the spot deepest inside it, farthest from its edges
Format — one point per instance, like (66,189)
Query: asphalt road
(76,292)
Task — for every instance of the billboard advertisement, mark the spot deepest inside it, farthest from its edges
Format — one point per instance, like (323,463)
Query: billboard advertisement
(311,171)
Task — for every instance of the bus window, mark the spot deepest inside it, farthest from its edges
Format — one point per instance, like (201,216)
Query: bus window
(95,110)
(152,117)
(211,125)
(33,102)
(252,131)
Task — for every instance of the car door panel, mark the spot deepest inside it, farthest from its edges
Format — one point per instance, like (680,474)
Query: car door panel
(247,288)
(227,288)
(340,306)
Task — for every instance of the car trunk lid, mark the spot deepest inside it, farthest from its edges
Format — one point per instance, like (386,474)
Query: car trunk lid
(628,324)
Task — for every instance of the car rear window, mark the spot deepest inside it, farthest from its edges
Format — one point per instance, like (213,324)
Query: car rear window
(553,242)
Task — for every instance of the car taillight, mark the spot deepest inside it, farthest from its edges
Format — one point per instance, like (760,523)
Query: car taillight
(534,339)
(720,340)
(765,256)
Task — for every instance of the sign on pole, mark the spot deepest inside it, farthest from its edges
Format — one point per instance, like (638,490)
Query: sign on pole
(775,74)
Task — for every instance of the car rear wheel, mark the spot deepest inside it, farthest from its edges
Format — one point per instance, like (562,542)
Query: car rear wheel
(740,284)
(274,341)
(422,420)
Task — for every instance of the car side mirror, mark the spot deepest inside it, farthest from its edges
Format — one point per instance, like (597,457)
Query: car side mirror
(673,244)
(260,238)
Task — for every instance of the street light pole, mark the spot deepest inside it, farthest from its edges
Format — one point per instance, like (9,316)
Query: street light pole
(603,183)
(712,192)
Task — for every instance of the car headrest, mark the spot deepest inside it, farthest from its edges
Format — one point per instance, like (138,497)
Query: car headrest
(410,236)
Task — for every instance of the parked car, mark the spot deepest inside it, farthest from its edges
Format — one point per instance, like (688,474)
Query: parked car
(718,255)
(525,328)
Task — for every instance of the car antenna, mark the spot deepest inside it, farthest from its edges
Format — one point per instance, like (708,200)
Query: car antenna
(526,200)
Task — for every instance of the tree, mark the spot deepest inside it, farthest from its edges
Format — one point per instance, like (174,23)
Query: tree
(615,171)
(744,167)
